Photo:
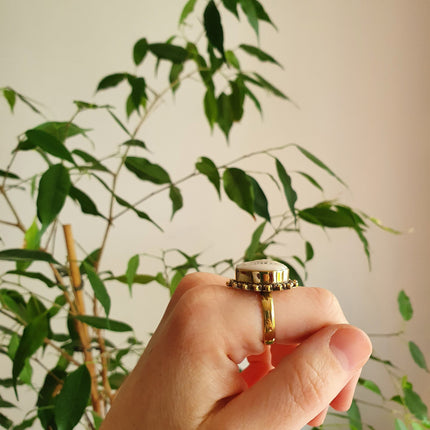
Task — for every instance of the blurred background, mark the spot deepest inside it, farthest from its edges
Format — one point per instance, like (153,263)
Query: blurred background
(358,73)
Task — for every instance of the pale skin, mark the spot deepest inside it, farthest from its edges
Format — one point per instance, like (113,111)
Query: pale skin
(188,377)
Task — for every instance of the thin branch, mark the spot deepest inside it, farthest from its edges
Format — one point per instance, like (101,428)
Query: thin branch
(67,356)
(12,224)
(191,175)
(19,223)
(395,334)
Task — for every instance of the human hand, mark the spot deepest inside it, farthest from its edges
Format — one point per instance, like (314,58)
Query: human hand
(188,376)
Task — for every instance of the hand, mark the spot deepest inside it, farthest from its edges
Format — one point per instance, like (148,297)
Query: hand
(188,377)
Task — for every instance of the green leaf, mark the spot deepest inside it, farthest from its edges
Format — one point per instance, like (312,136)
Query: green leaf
(26,255)
(370,385)
(47,396)
(380,360)
(400,425)
(258,53)
(28,103)
(10,96)
(31,241)
(49,144)
(261,205)
(417,355)
(104,323)
(25,424)
(176,199)
(98,287)
(231,5)
(248,7)
(54,187)
(137,279)
(146,170)
(239,189)
(254,99)
(130,107)
(262,14)
(311,180)
(270,87)
(188,8)
(379,224)
(318,162)
(73,398)
(213,27)
(237,98)
(81,105)
(140,50)
(327,216)
(85,202)
(32,339)
(289,192)
(210,106)
(119,122)
(6,404)
(91,259)
(12,300)
(136,143)
(177,277)
(354,417)
(168,51)
(253,248)
(405,306)
(232,59)
(309,251)
(61,130)
(175,71)
(139,213)
(111,81)
(132,266)
(208,168)
(225,113)
(5,422)
(414,403)
(10,175)
(138,91)
(34,308)
(88,158)
(98,420)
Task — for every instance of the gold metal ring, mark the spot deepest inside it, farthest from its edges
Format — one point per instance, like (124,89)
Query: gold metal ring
(263,277)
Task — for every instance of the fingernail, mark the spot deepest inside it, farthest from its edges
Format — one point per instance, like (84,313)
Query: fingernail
(351,347)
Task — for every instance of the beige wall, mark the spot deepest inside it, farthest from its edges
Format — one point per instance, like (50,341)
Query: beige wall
(359,71)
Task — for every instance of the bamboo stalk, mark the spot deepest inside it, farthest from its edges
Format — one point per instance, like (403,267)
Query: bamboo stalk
(82,328)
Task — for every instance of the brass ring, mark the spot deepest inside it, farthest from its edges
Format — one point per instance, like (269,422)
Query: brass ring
(263,277)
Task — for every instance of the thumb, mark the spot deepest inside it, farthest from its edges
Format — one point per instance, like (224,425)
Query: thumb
(302,385)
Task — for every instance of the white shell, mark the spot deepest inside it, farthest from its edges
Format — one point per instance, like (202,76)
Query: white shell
(261,266)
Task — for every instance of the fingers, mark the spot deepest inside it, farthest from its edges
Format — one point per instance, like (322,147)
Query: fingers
(236,315)
(259,366)
(302,385)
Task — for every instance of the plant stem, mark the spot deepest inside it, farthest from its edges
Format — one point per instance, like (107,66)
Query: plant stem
(80,305)
(395,334)
(19,224)
(67,356)
(193,174)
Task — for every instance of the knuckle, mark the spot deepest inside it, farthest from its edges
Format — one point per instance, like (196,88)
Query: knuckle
(188,282)
(193,313)
(327,300)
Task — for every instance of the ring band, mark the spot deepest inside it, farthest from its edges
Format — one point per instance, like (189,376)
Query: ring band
(263,277)
(268,318)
